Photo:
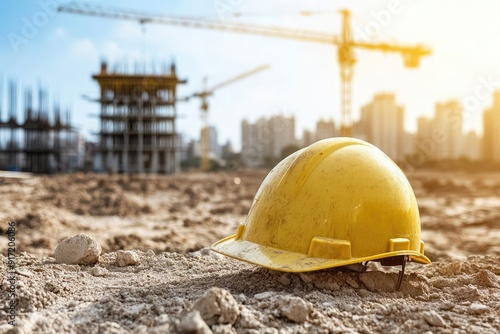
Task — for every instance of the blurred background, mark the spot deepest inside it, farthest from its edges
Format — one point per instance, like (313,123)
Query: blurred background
(150,93)
(244,83)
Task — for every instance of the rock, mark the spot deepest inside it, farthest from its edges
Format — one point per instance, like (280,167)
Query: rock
(433,319)
(476,308)
(99,272)
(150,253)
(162,319)
(487,278)
(52,287)
(446,306)
(5,328)
(110,327)
(192,323)
(223,329)
(127,258)
(283,279)
(306,278)
(248,320)
(24,272)
(217,306)
(263,295)
(327,285)
(295,309)
(80,249)
(352,282)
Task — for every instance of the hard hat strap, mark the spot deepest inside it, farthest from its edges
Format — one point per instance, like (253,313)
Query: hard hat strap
(402,272)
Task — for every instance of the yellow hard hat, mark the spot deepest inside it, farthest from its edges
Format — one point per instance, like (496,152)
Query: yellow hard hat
(337,202)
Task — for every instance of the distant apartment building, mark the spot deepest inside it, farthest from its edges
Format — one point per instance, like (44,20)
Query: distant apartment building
(382,124)
(424,138)
(325,129)
(265,139)
(214,149)
(491,130)
(448,123)
(441,137)
(471,147)
(307,138)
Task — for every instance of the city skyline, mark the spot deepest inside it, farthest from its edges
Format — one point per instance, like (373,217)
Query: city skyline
(441,137)
(73,47)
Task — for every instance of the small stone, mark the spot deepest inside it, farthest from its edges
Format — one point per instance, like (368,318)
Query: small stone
(248,320)
(24,272)
(327,285)
(68,267)
(99,272)
(223,329)
(352,282)
(110,327)
(241,297)
(307,278)
(192,322)
(283,279)
(446,306)
(52,287)
(79,249)
(126,258)
(263,295)
(477,308)
(217,306)
(5,328)
(295,309)
(433,319)
(150,253)
(162,319)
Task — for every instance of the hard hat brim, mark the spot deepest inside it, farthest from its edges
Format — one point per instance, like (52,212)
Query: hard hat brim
(281,260)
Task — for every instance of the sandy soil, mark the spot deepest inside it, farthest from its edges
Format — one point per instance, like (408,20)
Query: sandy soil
(169,221)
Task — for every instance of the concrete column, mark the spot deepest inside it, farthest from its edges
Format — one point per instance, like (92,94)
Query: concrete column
(154,161)
(140,143)
(109,161)
(125,153)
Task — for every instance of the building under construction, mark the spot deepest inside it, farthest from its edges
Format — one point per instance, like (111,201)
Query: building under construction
(41,141)
(138,133)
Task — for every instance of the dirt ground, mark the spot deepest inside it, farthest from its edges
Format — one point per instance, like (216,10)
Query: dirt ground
(169,221)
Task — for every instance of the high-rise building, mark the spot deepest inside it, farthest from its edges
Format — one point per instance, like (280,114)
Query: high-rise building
(307,138)
(325,129)
(214,149)
(471,148)
(441,138)
(424,138)
(448,121)
(282,134)
(491,130)
(382,123)
(265,139)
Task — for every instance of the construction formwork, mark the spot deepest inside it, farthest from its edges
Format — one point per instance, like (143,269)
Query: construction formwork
(41,141)
(138,133)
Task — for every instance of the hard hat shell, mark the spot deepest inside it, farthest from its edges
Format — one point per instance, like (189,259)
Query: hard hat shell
(336,202)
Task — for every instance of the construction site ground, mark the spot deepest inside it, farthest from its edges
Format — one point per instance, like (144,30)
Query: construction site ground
(170,222)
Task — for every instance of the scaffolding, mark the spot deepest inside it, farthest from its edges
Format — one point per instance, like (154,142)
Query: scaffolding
(44,142)
(138,133)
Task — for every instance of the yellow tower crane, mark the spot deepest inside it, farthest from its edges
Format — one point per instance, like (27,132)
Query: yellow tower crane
(345,43)
(203,95)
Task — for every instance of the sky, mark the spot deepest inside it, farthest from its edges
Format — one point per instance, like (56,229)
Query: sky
(62,51)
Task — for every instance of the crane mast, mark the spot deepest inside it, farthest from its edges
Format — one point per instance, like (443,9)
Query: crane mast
(345,43)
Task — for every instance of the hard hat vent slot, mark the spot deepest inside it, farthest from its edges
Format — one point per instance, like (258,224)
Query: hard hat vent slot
(399,244)
(329,248)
